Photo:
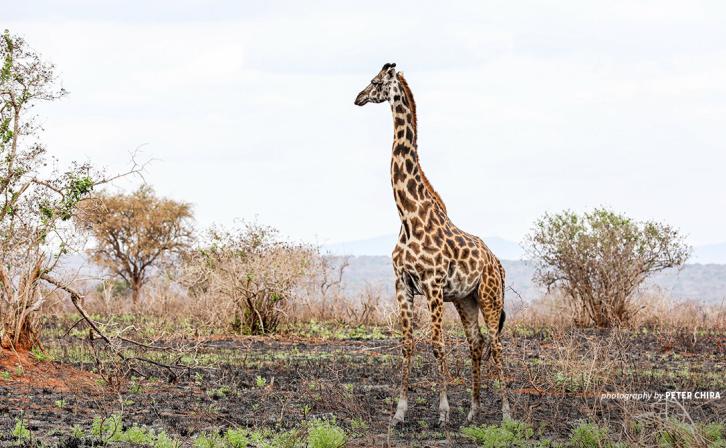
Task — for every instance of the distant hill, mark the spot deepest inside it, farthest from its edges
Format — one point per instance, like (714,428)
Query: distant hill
(703,282)
(504,249)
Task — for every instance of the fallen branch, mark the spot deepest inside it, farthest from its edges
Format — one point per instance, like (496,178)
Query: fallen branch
(112,342)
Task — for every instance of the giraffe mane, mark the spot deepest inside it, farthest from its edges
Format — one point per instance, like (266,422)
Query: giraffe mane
(412,105)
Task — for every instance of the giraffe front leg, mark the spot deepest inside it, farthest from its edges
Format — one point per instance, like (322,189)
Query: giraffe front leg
(436,307)
(405,306)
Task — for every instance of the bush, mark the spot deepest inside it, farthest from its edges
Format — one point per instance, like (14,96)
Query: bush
(325,434)
(600,258)
(589,435)
(510,434)
(249,274)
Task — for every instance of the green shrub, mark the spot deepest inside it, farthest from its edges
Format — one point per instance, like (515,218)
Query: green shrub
(678,434)
(237,438)
(590,435)
(107,429)
(164,441)
(21,433)
(209,440)
(325,434)
(510,434)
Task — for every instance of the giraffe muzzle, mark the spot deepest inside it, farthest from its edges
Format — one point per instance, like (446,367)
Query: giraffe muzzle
(361,99)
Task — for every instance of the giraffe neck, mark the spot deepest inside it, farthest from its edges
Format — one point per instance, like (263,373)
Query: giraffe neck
(411,189)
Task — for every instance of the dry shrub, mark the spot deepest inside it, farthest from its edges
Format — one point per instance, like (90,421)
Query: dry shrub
(247,276)
(652,308)
(600,258)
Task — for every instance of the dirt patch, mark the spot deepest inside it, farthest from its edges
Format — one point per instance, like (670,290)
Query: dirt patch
(22,370)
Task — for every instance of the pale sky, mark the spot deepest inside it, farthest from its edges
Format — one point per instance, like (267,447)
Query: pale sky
(524,107)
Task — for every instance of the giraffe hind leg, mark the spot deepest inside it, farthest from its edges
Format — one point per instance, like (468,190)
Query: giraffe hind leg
(468,309)
(491,302)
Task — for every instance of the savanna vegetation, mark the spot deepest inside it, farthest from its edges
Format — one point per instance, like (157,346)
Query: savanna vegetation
(239,337)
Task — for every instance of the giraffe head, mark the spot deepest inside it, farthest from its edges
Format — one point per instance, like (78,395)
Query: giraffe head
(379,90)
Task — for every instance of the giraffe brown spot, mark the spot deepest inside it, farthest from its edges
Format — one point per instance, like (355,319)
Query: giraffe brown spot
(461,241)
(399,108)
(400,133)
(398,174)
(405,201)
(409,133)
(465,253)
(399,122)
(411,187)
(409,165)
(415,247)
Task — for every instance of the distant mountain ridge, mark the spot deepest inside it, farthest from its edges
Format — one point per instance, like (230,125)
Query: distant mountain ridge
(503,248)
(701,282)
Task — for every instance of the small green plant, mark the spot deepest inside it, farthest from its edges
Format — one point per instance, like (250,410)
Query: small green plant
(5,375)
(136,435)
(135,386)
(589,435)
(237,438)
(19,371)
(260,381)
(21,433)
(209,440)
(715,434)
(509,434)
(39,355)
(107,429)
(325,434)
(218,393)
(357,424)
(77,432)
(60,404)
(164,441)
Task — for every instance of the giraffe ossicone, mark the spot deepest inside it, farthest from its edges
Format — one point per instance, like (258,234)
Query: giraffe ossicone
(434,258)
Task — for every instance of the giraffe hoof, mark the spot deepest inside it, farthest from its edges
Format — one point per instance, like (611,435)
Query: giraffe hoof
(506,413)
(472,415)
(443,418)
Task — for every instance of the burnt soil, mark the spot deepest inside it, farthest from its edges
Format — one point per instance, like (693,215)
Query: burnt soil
(555,380)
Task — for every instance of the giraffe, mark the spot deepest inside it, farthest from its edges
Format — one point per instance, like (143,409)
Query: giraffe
(434,258)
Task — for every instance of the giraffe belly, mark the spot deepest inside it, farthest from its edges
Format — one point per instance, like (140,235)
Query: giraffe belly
(460,284)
